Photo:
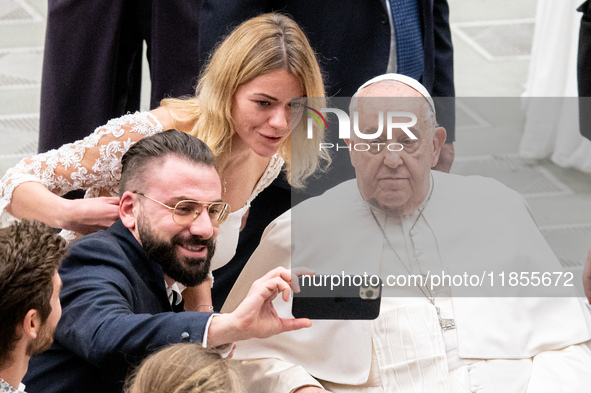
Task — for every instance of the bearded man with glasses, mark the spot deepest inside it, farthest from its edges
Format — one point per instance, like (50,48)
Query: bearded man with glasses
(121,286)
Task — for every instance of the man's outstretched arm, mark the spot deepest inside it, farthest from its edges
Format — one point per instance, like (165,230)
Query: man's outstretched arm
(256,317)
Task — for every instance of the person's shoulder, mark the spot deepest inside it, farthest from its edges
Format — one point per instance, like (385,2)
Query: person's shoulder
(472,186)
(329,209)
(104,256)
(93,240)
(331,201)
(164,117)
(99,248)
(333,198)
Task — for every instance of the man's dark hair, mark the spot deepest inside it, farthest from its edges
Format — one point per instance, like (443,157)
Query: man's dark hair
(158,146)
(30,254)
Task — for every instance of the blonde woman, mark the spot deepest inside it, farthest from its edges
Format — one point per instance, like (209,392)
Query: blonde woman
(185,368)
(242,110)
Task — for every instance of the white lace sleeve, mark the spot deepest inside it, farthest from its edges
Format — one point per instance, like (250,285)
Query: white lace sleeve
(93,163)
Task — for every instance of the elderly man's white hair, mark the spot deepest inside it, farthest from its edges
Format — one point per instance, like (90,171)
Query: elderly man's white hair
(413,83)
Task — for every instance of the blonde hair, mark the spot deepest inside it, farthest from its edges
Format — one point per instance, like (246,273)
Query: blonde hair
(184,368)
(258,46)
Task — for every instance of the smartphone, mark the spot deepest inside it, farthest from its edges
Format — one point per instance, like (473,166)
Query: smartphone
(324,297)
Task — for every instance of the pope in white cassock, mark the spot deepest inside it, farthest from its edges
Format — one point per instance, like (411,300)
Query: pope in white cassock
(398,217)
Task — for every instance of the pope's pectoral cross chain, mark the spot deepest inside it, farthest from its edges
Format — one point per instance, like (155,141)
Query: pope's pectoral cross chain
(444,323)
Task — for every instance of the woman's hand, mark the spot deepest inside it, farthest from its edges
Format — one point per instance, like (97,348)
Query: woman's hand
(34,201)
(90,215)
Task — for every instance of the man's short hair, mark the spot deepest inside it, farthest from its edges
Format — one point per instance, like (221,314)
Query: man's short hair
(30,254)
(158,146)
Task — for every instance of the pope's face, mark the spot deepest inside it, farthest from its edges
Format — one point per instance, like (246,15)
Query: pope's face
(394,175)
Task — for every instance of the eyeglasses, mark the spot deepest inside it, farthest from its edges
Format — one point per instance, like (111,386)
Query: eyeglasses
(187,211)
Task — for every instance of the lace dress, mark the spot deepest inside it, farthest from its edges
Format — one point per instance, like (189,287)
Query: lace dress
(94,164)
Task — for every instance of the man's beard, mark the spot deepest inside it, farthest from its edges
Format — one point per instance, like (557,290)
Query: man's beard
(185,270)
(42,342)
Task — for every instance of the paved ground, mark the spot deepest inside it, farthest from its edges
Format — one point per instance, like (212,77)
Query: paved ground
(492,40)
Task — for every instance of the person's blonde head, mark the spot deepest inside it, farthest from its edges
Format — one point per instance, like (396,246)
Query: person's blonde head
(258,46)
(184,368)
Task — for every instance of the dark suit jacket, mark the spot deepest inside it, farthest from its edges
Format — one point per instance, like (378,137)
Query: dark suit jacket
(115,313)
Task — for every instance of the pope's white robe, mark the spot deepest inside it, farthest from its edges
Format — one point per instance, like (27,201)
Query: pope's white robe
(478,224)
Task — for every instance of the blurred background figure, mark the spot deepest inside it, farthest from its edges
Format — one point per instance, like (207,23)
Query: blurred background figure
(185,368)
(552,124)
(92,64)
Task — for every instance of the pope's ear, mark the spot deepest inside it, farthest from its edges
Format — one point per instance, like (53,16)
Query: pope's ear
(127,209)
(438,141)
